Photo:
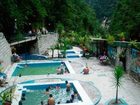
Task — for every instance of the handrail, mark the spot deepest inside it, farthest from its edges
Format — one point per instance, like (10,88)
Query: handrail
(7,89)
(24,40)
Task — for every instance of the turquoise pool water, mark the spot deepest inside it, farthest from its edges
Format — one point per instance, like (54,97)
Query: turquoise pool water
(32,57)
(35,94)
(70,52)
(37,69)
(72,56)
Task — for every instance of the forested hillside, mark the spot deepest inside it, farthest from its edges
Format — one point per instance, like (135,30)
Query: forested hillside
(126,18)
(103,8)
(18,17)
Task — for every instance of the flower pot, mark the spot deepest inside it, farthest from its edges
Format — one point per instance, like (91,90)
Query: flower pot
(123,39)
(7,103)
(112,102)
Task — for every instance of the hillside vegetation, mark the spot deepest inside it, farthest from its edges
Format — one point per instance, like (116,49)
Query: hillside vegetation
(18,17)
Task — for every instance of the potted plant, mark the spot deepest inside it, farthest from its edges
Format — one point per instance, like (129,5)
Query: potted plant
(118,74)
(110,39)
(6,98)
(122,36)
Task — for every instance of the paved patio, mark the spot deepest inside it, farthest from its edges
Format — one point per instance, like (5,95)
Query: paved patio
(102,78)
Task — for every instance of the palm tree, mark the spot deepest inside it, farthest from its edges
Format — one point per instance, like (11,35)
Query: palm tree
(58,48)
(65,43)
(118,74)
(64,47)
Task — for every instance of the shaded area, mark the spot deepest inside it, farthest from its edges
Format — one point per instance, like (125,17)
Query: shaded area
(27,56)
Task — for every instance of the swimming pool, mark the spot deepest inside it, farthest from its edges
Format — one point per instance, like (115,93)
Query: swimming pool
(33,57)
(72,56)
(35,93)
(70,52)
(40,68)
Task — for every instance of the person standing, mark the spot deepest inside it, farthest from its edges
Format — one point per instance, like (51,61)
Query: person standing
(67,86)
(58,70)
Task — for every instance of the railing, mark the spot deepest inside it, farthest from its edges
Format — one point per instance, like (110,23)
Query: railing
(25,39)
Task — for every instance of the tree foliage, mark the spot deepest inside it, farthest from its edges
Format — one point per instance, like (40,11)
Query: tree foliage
(34,14)
(103,8)
(126,18)
(19,13)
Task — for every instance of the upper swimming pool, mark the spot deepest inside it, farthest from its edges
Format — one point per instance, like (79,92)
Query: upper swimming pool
(70,52)
(33,57)
(72,56)
(40,68)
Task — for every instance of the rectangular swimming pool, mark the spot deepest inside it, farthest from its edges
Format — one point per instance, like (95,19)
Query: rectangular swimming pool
(70,52)
(35,93)
(72,56)
(40,68)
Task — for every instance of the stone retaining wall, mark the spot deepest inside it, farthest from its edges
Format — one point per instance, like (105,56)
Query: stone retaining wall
(46,41)
(5,51)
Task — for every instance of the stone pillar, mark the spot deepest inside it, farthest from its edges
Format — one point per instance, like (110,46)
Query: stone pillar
(128,60)
(117,62)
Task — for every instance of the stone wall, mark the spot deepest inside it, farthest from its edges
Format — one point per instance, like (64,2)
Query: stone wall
(5,51)
(130,65)
(46,41)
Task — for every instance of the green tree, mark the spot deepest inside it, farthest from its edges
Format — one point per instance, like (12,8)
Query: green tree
(68,15)
(126,18)
(64,46)
(52,49)
(24,12)
(103,8)
(60,29)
